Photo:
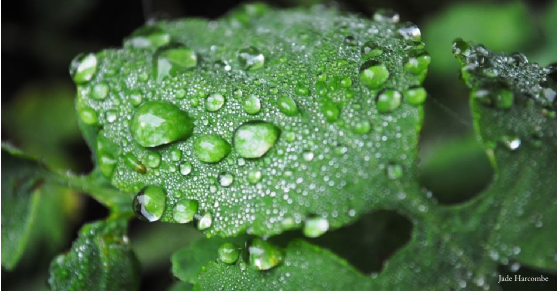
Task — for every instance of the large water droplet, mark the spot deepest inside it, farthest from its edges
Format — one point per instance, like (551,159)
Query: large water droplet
(251,59)
(315,226)
(172,60)
(388,101)
(156,123)
(214,102)
(263,255)
(149,203)
(83,68)
(184,210)
(228,253)
(254,139)
(252,105)
(287,106)
(211,148)
(373,74)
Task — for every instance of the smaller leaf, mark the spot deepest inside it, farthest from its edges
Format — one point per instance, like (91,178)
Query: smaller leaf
(100,259)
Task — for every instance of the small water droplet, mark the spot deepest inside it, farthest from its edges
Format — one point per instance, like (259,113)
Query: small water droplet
(105,150)
(315,227)
(156,123)
(417,62)
(83,67)
(175,154)
(263,255)
(214,102)
(362,127)
(148,37)
(511,142)
(388,100)
(186,168)
(172,60)
(287,106)
(371,49)
(386,15)
(251,59)
(394,171)
(410,32)
(153,159)
(149,203)
(252,105)
(136,98)
(205,221)
(415,96)
(184,210)
(111,115)
(308,156)
(100,91)
(330,111)
(228,253)
(254,139)
(373,74)
(254,176)
(211,148)
(461,49)
(225,179)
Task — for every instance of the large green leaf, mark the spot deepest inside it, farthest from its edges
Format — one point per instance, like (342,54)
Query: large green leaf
(313,136)
(462,246)
(22,180)
(100,259)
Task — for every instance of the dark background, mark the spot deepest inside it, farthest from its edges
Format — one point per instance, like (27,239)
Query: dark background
(40,38)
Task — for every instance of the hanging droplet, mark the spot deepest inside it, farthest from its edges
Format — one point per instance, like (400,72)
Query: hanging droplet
(252,105)
(225,179)
(99,91)
(172,60)
(254,176)
(415,96)
(149,203)
(184,210)
(388,100)
(386,15)
(373,74)
(211,148)
(251,59)
(263,255)
(315,226)
(394,171)
(83,68)
(205,221)
(287,106)
(371,49)
(214,102)
(254,139)
(186,168)
(228,253)
(410,32)
(156,123)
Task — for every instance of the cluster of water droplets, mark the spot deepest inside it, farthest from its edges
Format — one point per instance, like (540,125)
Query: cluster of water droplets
(252,136)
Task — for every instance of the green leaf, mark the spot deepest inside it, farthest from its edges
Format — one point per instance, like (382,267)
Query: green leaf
(100,259)
(22,180)
(254,164)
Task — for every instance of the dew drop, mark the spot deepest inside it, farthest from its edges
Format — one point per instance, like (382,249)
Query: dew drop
(153,159)
(134,163)
(511,142)
(418,62)
(415,96)
(228,253)
(251,59)
(373,74)
(388,100)
(156,123)
(205,221)
(136,98)
(83,68)
(173,60)
(362,127)
(371,49)
(184,210)
(330,111)
(225,179)
(211,148)
(386,15)
(254,176)
(214,102)
(263,255)
(149,203)
(315,227)
(99,91)
(186,168)
(254,139)
(175,154)
(287,106)
(394,171)
(105,150)
(410,32)
(308,156)
(148,37)
(252,105)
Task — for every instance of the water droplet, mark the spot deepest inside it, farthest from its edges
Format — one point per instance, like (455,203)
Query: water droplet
(185,168)
(386,15)
(214,102)
(111,115)
(228,253)
(418,62)
(287,106)
(504,99)
(175,154)
(302,90)
(373,74)
(184,210)
(254,139)
(172,60)
(263,255)
(511,142)
(394,171)
(330,111)
(153,159)
(251,59)
(156,123)
(205,221)
(254,176)
(148,37)
(461,49)
(345,82)
(388,101)
(225,179)
(149,203)
(515,267)
(252,105)
(99,91)
(211,148)
(132,162)
(136,98)
(308,156)
(371,49)
(362,127)
(315,227)
(87,114)
(83,68)
(105,150)
(410,32)
(415,96)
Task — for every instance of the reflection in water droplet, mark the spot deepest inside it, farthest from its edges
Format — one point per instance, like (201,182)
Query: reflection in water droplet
(149,203)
